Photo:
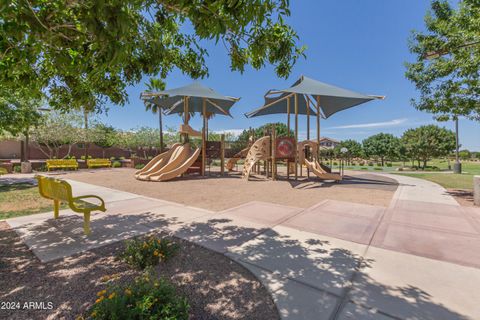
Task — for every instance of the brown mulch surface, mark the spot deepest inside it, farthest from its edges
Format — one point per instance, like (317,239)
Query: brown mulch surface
(220,193)
(215,286)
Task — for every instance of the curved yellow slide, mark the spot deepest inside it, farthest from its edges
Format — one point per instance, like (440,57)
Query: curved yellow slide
(156,164)
(317,170)
(179,165)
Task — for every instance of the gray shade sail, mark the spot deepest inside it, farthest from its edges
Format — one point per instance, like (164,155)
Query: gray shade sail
(172,101)
(331,99)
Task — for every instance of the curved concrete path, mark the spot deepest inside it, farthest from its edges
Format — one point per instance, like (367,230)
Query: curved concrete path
(416,259)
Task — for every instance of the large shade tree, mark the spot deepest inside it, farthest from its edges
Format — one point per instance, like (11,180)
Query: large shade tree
(382,146)
(80,53)
(447,66)
(427,142)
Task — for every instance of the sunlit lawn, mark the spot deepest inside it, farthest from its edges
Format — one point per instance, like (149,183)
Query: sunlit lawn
(22,199)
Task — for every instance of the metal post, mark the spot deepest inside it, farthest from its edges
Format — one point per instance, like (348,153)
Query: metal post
(308,134)
(318,127)
(204,144)
(457,167)
(222,154)
(296,136)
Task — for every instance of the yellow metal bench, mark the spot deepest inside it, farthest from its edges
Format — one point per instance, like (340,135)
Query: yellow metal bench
(62,164)
(61,191)
(93,163)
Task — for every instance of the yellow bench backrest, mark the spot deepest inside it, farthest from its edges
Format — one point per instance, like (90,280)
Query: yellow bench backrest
(62,162)
(54,189)
(98,161)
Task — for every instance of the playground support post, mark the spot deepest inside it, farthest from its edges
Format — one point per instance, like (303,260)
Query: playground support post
(204,144)
(274,147)
(308,132)
(318,126)
(288,134)
(222,154)
(296,136)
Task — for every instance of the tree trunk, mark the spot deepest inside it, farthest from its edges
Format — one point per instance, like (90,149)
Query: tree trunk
(382,161)
(27,149)
(85,115)
(424,164)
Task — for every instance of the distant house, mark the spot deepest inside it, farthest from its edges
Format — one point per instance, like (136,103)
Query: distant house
(328,142)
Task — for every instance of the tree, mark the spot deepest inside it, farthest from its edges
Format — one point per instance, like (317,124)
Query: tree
(19,113)
(465,154)
(447,68)
(354,148)
(243,139)
(426,142)
(103,136)
(57,130)
(90,51)
(382,145)
(155,85)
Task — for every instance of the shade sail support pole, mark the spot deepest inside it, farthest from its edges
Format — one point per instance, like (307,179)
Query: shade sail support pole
(204,151)
(296,135)
(318,126)
(308,134)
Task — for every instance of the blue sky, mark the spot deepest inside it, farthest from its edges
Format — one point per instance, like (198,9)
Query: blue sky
(358,45)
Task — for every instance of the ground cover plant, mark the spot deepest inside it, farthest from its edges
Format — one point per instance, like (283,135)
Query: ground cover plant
(146,298)
(148,252)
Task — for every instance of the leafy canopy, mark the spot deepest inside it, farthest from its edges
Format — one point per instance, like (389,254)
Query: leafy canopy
(449,80)
(426,142)
(82,54)
(382,145)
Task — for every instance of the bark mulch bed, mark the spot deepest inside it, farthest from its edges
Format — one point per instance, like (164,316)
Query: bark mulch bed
(215,286)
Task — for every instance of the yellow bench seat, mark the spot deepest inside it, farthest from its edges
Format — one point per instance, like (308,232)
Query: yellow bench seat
(91,163)
(62,164)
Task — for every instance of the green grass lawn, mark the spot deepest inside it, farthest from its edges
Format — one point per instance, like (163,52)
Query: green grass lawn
(22,199)
(446,180)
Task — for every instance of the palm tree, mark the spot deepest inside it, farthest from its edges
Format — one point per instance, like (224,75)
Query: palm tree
(155,85)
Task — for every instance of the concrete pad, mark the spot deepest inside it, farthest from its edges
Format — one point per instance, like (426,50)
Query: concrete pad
(262,212)
(343,220)
(107,194)
(173,217)
(295,300)
(319,261)
(411,287)
(57,238)
(220,232)
(353,311)
(448,222)
(131,206)
(455,247)
(429,207)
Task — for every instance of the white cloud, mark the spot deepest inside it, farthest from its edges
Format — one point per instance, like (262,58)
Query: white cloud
(385,124)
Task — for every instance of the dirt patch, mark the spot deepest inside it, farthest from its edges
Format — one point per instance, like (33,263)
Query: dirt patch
(215,286)
(463,197)
(219,193)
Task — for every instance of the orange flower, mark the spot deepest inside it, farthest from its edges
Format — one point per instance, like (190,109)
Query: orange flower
(128,292)
(112,295)
(101,293)
(155,253)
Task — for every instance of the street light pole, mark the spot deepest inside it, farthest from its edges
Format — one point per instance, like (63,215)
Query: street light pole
(457,167)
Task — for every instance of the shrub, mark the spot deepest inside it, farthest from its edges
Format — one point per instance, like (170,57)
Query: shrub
(42,168)
(116,164)
(17,169)
(139,166)
(121,158)
(370,164)
(349,168)
(335,163)
(432,168)
(83,157)
(363,168)
(379,164)
(378,168)
(145,298)
(148,252)
(389,165)
(354,164)
(112,158)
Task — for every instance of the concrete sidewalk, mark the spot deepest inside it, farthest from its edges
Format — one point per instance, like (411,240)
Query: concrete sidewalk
(416,259)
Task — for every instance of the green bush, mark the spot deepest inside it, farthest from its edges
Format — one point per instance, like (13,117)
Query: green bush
(378,168)
(363,168)
(370,164)
(42,168)
(139,166)
(379,164)
(148,252)
(335,163)
(145,298)
(432,168)
(112,158)
(116,164)
(121,158)
(83,157)
(17,169)
(389,165)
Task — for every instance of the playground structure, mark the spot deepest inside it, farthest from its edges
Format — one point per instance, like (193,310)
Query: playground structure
(310,97)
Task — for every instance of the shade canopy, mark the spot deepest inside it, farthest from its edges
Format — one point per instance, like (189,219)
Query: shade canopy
(331,99)
(173,100)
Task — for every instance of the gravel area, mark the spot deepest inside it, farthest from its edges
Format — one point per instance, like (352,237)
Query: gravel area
(215,286)
(219,193)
